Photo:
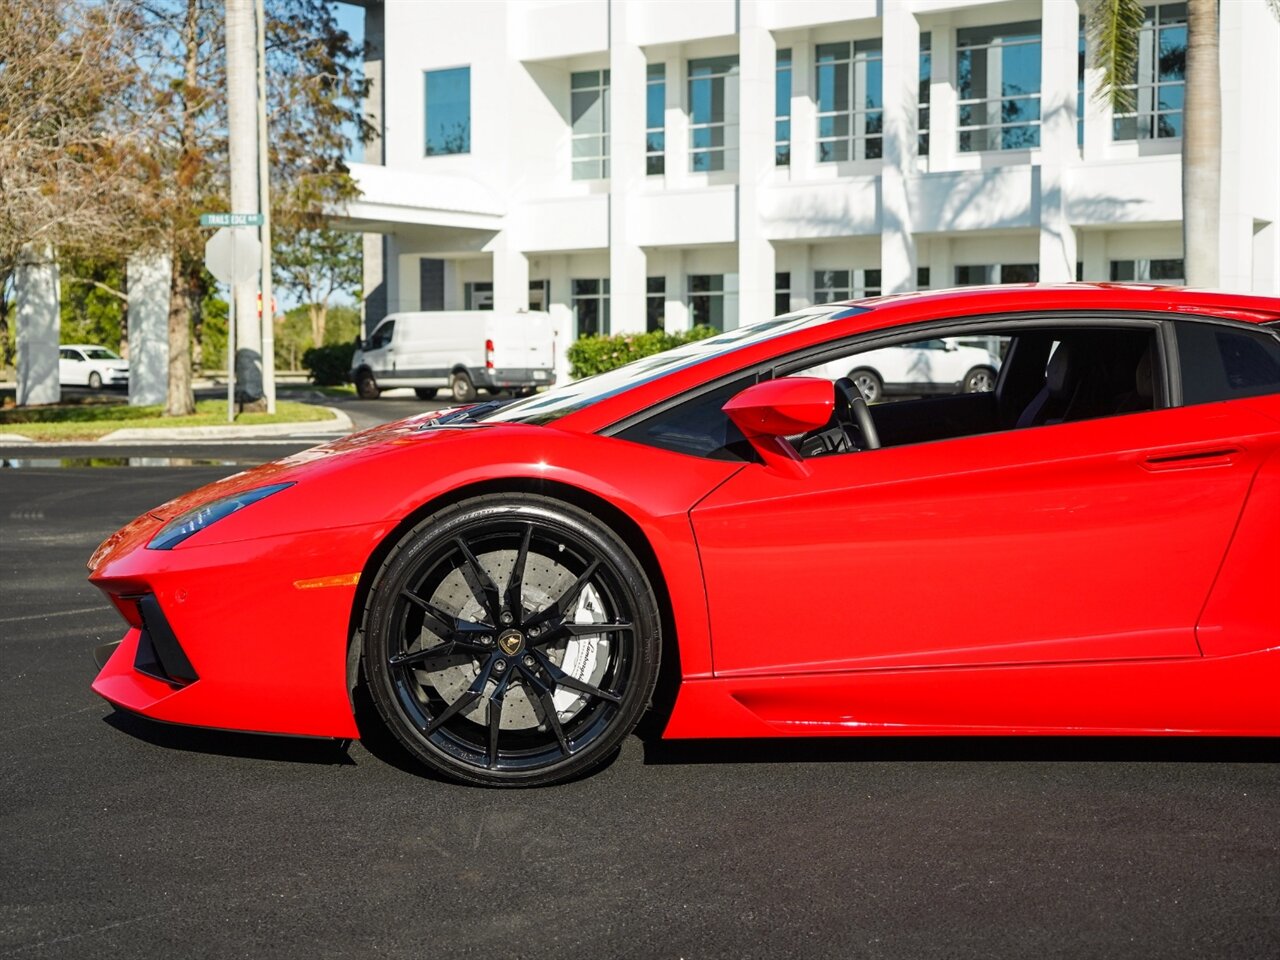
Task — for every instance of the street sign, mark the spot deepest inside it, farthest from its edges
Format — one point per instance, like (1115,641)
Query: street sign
(233,256)
(230,219)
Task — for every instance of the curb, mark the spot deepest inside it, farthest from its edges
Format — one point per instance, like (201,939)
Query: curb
(340,424)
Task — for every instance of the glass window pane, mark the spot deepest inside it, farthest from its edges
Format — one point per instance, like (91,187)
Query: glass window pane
(1020,69)
(832,51)
(782,94)
(654,166)
(873,95)
(587,78)
(448,111)
(655,104)
(587,110)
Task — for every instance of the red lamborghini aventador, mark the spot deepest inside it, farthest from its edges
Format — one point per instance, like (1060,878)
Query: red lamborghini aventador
(1078,542)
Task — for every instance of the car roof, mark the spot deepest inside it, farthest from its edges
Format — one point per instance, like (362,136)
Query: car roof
(85,346)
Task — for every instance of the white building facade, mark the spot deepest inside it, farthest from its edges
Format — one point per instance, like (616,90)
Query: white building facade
(630,164)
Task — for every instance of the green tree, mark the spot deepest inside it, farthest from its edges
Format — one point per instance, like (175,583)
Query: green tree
(315,263)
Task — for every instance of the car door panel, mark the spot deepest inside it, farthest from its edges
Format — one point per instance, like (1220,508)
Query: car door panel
(1038,545)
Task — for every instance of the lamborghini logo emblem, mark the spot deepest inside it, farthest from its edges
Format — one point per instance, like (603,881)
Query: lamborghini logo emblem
(511,642)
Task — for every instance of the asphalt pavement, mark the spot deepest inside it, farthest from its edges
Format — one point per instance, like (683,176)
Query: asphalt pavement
(124,838)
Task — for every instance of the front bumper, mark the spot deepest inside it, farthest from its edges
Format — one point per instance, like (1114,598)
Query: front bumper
(249,635)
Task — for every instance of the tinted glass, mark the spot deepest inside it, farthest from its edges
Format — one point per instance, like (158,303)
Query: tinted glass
(1224,363)
(448,109)
(698,427)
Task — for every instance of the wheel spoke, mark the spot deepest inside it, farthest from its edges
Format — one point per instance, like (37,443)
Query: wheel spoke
(448,649)
(495,719)
(590,629)
(553,719)
(489,589)
(515,584)
(468,697)
(558,608)
(561,679)
(444,624)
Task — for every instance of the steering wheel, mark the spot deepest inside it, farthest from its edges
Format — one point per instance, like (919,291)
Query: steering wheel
(852,409)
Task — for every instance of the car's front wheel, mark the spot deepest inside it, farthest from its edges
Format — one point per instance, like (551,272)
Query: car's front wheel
(366,387)
(95,380)
(511,640)
(869,384)
(979,380)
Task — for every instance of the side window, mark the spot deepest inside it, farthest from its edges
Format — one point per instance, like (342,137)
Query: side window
(1225,363)
(698,426)
(66,354)
(382,336)
(922,368)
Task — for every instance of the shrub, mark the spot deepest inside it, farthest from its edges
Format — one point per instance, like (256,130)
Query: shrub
(596,353)
(330,365)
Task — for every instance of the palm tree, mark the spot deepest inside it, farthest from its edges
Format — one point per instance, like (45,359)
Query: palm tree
(1113,28)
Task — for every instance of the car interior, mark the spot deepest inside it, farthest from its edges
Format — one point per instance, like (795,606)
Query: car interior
(1048,375)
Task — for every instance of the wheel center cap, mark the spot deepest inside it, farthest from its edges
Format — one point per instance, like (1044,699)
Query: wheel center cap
(510,642)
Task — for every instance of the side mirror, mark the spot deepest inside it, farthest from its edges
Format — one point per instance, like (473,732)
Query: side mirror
(359,341)
(950,346)
(769,412)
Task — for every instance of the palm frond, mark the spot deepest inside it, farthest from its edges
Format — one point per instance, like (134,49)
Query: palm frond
(1112,28)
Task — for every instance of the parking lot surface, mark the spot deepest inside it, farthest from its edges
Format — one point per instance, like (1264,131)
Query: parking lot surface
(124,838)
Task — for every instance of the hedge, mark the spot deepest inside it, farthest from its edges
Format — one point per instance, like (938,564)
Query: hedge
(595,353)
(330,365)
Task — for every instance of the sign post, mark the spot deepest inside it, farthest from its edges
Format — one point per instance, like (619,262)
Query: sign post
(232,256)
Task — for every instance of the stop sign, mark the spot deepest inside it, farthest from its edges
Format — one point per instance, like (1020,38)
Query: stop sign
(233,255)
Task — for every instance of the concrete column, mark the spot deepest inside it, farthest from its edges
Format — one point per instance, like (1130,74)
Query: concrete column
(242,159)
(1093,252)
(942,268)
(1060,29)
(678,319)
(150,279)
(676,162)
(628,75)
(942,98)
(757,75)
(510,276)
(39,327)
(802,276)
(901,67)
(804,110)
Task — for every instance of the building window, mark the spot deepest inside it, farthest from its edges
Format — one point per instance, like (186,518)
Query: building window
(1169,271)
(539,294)
(478,295)
(655,138)
(706,300)
(448,111)
(591,306)
(782,110)
(713,83)
(925,93)
(781,293)
(589,109)
(976,274)
(1158,84)
(998,75)
(850,99)
(832,286)
(922,278)
(655,303)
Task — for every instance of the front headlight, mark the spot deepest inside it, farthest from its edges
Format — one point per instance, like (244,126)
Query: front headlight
(193,521)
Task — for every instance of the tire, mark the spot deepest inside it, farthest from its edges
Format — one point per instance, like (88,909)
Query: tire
(462,388)
(95,380)
(869,384)
(425,393)
(366,387)
(457,622)
(979,380)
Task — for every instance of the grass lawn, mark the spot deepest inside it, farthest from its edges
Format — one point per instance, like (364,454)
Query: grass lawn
(89,421)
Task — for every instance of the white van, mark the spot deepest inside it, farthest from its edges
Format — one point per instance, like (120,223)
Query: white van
(459,350)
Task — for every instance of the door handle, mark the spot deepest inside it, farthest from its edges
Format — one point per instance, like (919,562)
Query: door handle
(1209,456)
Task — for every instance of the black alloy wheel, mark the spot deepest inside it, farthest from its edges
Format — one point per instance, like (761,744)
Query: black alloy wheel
(511,640)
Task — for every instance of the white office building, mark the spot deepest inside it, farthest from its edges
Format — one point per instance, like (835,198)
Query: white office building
(628,164)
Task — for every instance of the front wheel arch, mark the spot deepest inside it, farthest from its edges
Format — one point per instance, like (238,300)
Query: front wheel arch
(626,528)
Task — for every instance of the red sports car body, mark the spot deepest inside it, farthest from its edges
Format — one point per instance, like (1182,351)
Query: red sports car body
(1083,549)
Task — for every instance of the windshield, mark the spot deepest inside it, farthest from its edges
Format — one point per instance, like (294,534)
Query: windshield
(579,394)
(100,353)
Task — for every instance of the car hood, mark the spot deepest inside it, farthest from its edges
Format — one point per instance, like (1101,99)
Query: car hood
(336,455)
